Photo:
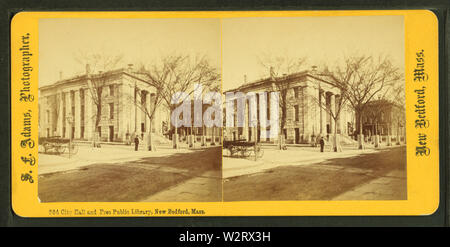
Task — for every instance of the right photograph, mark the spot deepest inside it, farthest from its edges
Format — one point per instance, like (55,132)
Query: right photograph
(314,108)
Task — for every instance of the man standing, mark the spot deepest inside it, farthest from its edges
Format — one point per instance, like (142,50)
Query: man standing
(322,144)
(136,142)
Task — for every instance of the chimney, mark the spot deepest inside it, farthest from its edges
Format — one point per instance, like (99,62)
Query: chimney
(313,69)
(88,69)
(60,75)
(245,78)
(272,73)
(130,67)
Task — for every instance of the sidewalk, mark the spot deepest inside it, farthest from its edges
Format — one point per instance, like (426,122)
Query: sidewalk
(387,187)
(107,154)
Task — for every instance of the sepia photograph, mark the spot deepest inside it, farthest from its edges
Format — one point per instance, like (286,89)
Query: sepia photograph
(231,109)
(315,108)
(108,89)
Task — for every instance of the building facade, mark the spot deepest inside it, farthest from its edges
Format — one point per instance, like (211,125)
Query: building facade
(309,101)
(69,107)
(384,118)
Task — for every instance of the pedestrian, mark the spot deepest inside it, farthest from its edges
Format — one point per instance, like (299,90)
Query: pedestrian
(136,142)
(322,144)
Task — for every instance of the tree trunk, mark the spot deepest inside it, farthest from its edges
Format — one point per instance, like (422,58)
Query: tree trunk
(360,136)
(388,140)
(336,144)
(175,138)
(203,136)
(213,141)
(150,145)
(377,137)
(282,123)
(191,139)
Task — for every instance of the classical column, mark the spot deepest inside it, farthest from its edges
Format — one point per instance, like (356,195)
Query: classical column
(60,102)
(77,114)
(138,111)
(332,112)
(122,108)
(68,106)
(245,129)
(132,109)
(148,106)
(88,115)
(308,112)
(322,107)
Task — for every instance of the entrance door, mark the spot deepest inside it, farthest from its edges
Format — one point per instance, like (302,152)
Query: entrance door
(111,133)
(297,135)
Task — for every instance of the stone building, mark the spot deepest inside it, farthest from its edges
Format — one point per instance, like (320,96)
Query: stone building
(68,107)
(310,99)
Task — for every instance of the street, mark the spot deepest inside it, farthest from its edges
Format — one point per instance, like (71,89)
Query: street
(370,175)
(120,174)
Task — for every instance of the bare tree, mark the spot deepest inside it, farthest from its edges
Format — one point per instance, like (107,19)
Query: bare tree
(279,68)
(149,110)
(98,70)
(178,73)
(334,111)
(363,78)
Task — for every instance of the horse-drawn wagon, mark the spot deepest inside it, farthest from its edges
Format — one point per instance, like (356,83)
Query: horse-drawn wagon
(57,145)
(242,148)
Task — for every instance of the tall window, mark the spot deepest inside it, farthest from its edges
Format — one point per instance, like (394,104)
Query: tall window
(296,112)
(111,90)
(111,110)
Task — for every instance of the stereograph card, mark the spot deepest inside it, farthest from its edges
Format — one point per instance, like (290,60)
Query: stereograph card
(210,113)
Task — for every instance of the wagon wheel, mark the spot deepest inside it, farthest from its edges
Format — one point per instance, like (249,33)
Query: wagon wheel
(230,149)
(73,148)
(259,151)
(59,149)
(245,152)
(47,146)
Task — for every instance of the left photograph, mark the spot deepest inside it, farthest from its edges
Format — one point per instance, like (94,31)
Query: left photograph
(110,94)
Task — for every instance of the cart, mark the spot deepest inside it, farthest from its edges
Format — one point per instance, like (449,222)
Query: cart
(58,145)
(242,148)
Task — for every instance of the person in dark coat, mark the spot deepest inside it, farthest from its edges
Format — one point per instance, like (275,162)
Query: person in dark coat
(322,144)
(136,143)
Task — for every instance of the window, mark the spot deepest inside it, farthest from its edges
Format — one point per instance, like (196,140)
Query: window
(111,110)
(296,92)
(296,112)
(111,90)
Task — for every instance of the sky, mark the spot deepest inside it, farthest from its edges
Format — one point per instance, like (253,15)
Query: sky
(320,40)
(235,43)
(60,40)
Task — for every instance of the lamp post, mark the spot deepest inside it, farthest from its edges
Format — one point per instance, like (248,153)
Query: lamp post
(70,121)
